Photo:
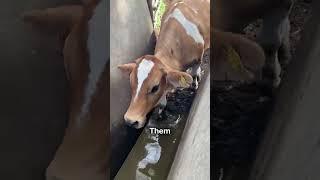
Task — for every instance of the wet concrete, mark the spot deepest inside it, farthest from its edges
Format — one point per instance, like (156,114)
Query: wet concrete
(242,111)
(33,111)
(192,158)
(291,148)
(130,38)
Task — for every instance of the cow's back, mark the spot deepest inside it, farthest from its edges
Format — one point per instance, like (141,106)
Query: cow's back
(203,17)
(184,38)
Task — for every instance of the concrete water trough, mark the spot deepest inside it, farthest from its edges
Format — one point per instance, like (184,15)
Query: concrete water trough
(184,153)
(290,148)
(139,154)
(130,37)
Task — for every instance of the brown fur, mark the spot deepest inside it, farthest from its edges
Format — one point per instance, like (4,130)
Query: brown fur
(235,15)
(251,56)
(166,78)
(175,51)
(185,51)
(83,153)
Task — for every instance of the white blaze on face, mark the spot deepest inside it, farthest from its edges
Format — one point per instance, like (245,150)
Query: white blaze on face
(190,28)
(144,69)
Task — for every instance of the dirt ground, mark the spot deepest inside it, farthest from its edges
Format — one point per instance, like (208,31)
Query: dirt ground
(240,112)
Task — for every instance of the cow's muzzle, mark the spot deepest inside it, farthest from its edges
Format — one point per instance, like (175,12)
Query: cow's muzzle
(135,122)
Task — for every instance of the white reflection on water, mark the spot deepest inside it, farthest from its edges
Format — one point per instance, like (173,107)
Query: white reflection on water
(153,153)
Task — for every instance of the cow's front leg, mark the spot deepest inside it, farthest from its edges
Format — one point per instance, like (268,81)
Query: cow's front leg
(157,111)
(196,72)
(273,37)
(161,105)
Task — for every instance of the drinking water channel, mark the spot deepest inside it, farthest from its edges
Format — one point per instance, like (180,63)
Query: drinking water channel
(153,154)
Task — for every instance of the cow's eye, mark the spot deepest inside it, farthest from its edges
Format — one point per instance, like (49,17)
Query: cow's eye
(154,89)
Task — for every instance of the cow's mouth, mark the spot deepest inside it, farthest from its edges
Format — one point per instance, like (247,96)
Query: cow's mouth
(155,113)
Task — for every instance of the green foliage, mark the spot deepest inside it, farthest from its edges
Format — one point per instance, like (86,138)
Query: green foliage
(159,14)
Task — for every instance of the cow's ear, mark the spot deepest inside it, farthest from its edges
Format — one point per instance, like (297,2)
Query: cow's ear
(179,79)
(127,68)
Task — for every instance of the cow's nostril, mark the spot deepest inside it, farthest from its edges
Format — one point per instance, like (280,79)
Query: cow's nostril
(132,123)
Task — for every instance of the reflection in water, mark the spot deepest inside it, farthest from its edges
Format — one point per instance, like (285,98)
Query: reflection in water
(153,153)
(153,148)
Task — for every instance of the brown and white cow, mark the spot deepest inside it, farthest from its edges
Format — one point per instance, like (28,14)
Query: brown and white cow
(183,38)
(235,15)
(83,153)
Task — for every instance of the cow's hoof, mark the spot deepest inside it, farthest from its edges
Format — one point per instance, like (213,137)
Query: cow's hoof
(196,73)
(195,83)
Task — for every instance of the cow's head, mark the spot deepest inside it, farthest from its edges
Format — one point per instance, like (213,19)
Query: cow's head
(150,80)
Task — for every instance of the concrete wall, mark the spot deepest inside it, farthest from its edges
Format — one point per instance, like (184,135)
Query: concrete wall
(33,89)
(130,38)
(291,148)
(193,155)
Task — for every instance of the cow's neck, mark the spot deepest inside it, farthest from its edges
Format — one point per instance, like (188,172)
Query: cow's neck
(169,61)
(96,46)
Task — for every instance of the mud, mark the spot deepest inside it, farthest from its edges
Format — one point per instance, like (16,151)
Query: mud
(240,111)
(180,101)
